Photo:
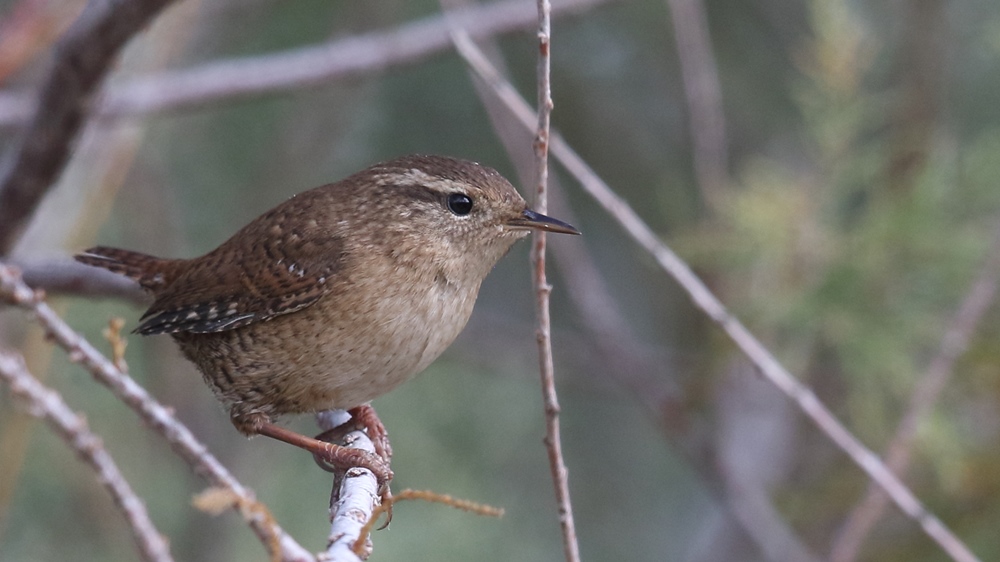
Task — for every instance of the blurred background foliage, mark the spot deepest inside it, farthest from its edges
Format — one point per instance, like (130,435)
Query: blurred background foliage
(860,202)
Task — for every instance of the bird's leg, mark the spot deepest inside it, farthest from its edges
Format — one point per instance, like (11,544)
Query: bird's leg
(363,417)
(331,454)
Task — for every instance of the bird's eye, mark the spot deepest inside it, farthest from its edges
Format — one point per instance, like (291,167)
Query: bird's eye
(460,204)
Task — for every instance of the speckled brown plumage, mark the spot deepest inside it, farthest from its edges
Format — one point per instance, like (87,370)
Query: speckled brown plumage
(340,293)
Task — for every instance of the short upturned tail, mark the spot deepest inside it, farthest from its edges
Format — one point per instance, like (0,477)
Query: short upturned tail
(151,272)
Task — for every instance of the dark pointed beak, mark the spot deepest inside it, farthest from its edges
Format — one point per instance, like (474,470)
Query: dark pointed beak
(530,219)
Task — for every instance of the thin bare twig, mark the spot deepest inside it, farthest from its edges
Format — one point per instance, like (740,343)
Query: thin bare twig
(83,57)
(295,69)
(707,121)
(155,415)
(628,362)
(703,298)
(430,497)
(539,160)
(47,404)
(981,296)
(553,441)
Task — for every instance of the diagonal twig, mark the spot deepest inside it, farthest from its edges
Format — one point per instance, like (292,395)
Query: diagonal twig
(705,301)
(47,404)
(14,291)
(83,57)
(977,301)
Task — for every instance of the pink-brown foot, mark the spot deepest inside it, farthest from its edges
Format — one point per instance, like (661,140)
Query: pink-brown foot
(331,456)
(364,417)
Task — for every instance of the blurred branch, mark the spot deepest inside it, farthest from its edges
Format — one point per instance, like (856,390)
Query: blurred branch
(47,404)
(757,515)
(82,58)
(977,301)
(703,298)
(754,444)
(14,291)
(352,503)
(15,108)
(67,277)
(290,70)
(707,121)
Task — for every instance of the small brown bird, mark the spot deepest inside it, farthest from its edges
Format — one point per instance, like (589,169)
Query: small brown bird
(337,295)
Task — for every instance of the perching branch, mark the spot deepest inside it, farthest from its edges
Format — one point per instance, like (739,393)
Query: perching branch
(82,59)
(13,290)
(48,405)
(703,298)
(354,498)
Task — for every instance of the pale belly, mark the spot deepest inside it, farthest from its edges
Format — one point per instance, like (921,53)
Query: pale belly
(326,356)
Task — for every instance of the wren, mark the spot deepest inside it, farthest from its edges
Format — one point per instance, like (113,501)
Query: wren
(337,295)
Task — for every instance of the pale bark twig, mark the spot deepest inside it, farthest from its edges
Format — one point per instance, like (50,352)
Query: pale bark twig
(82,59)
(14,291)
(294,69)
(354,498)
(47,404)
(705,301)
(979,299)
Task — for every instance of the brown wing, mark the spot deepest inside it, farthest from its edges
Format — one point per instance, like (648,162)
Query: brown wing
(277,264)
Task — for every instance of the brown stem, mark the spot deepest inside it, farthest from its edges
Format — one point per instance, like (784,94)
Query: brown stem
(553,442)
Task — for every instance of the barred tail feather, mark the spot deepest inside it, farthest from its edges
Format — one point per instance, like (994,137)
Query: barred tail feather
(151,272)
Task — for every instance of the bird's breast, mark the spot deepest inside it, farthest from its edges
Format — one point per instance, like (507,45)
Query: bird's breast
(394,331)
